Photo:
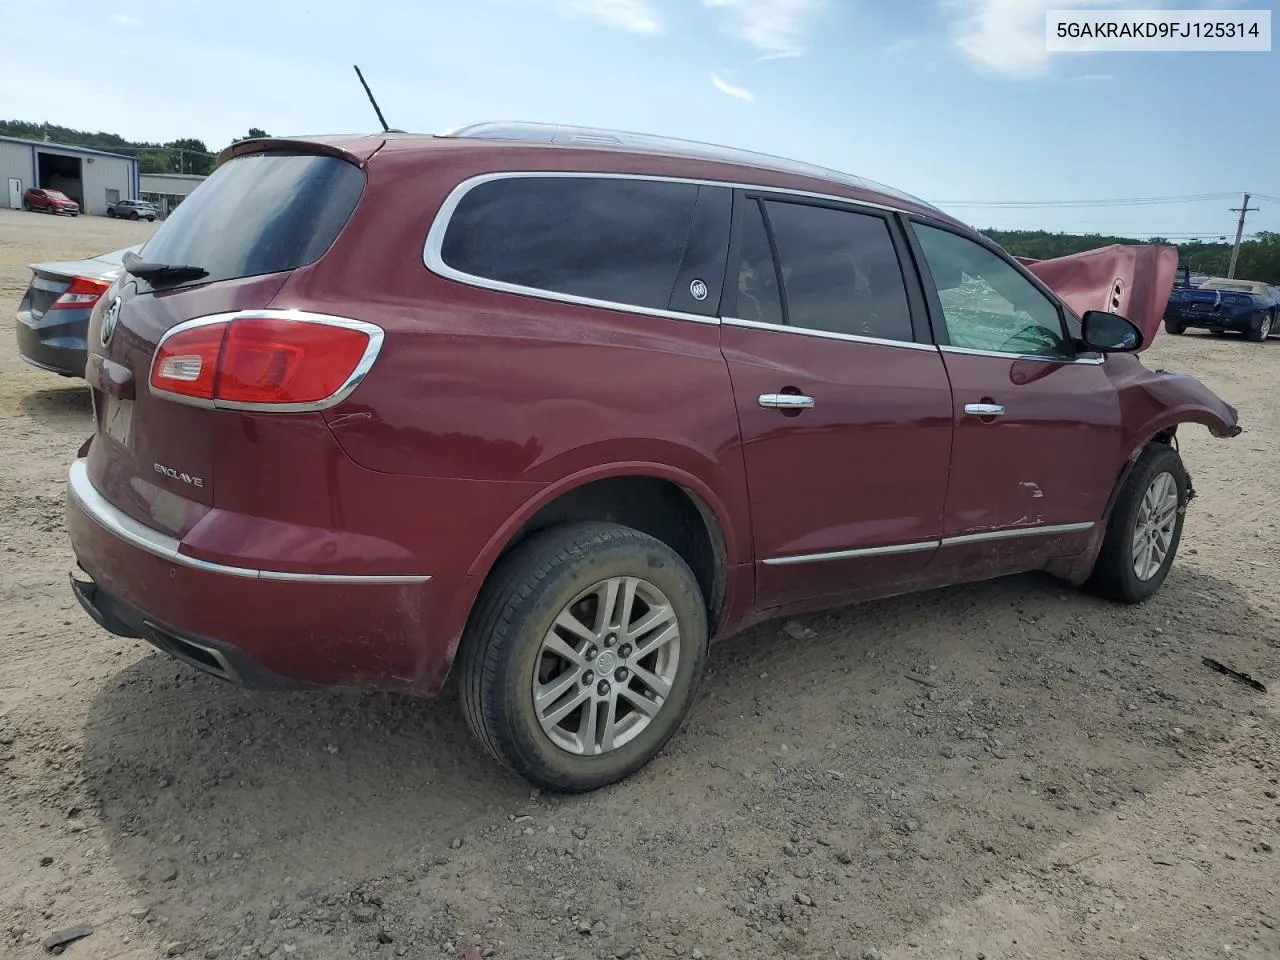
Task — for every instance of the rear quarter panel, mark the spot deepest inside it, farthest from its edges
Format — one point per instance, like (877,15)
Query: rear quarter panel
(495,389)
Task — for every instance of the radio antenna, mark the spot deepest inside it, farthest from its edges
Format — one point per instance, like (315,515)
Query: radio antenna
(369,94)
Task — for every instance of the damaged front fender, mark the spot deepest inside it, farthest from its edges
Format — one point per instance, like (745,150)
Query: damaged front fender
(1154,401)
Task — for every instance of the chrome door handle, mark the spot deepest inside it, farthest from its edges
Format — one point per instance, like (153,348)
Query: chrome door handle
(785,401)
(984,409)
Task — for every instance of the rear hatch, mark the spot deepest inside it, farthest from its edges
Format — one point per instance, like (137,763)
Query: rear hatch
(241,233)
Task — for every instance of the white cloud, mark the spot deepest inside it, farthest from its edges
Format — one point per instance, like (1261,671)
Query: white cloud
(635,16)
(777,28)
(1007,37)
(729,90)
(126,20)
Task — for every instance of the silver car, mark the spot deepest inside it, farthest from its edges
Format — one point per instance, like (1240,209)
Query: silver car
(132,210)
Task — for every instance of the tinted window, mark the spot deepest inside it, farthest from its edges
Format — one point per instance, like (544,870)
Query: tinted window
(840,272)
(986,303)
(259,213)
(756,277)
(705,251)
(618,240)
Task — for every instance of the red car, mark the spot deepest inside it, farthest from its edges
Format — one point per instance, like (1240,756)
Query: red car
(49,201)
(563,406)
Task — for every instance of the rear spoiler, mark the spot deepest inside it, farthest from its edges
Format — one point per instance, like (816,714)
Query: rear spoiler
(1133,280)
(357,149)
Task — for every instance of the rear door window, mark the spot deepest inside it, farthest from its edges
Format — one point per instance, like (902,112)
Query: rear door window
(840,271)
(655,244)
(259,213)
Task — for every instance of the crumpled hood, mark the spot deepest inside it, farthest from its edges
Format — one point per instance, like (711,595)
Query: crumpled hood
(1133,280)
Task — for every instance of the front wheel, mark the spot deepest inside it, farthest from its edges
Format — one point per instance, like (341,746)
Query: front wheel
(1262,327)
(111,214)
(583,655)
(1145,528)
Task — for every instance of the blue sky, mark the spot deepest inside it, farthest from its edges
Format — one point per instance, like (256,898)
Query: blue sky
(951,100)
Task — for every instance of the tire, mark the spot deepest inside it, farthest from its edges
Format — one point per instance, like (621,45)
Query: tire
(111,214)
(1174,327)
(26,206)
(1115,574)
(1261,329)
(133,215)
(503,658)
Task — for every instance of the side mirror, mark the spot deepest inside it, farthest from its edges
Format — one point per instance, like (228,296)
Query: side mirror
(1109,332)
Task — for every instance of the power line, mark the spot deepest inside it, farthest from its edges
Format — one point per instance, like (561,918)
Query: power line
(1114,202)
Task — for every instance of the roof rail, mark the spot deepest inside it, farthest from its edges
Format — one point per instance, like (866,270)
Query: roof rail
(559,133)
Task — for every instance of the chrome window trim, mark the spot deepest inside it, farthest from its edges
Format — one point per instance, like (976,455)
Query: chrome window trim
(115,521)
(921,545)
(433,258)
(365,364)
(970,351)
(827,335)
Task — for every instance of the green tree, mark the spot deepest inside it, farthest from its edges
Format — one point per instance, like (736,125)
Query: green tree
(191,156)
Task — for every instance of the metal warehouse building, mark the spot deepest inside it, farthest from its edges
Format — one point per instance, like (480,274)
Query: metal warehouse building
(90,177)
(167,190)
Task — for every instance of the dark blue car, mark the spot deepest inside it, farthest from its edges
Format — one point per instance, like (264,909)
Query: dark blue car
(1242,306)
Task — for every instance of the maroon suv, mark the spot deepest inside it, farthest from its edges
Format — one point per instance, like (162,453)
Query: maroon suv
(567,405)
(49,201)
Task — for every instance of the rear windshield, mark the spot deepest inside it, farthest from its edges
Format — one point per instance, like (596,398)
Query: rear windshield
(257,214)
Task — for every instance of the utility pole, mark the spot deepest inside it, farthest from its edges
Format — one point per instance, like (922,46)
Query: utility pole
(1244,208)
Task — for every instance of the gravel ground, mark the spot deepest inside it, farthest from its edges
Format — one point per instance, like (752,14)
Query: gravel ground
(1006,770)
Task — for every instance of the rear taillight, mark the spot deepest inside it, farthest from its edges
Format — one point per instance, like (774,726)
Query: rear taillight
(274,360)
(83,292)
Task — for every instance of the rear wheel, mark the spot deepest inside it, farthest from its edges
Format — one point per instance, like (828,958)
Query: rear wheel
(583,655)
(1174,327)
(1145,528)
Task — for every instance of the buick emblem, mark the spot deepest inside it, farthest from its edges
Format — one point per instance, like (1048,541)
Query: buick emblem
(698,289)
(110,317)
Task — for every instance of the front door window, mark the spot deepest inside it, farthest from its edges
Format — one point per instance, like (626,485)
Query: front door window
(987,304)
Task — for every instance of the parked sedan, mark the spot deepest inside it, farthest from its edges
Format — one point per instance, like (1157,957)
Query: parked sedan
(53,318)
(43,200)
(1243,306)
(132,210)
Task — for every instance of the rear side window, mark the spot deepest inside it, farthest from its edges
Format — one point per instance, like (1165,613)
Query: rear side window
(840,271)
(618,240)
(260,213)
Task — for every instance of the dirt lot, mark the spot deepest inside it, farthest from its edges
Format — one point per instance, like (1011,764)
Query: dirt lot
(1004,770)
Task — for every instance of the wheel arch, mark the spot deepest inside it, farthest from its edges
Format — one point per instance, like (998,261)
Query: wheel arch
(666,503)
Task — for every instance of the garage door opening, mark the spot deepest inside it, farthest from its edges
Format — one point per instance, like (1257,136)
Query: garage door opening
(63,173)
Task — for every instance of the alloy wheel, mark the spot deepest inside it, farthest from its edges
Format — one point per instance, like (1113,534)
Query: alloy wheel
(1153,530)
(605,668)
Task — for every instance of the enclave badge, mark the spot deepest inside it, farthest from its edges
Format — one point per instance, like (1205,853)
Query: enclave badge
(110,317)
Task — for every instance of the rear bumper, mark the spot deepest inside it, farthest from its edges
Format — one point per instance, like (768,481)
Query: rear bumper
(254,626)
(217,658)
(1202,319)
(57,344)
